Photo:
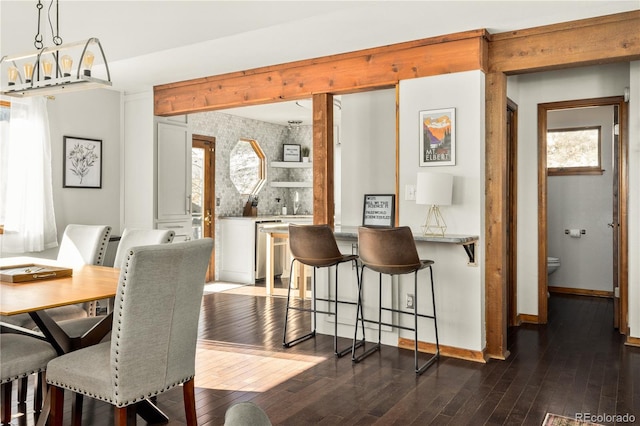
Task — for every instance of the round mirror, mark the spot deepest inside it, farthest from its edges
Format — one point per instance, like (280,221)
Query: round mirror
(247,167)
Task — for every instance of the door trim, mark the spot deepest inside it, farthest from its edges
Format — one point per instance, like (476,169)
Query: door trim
(209,143)
(623,189)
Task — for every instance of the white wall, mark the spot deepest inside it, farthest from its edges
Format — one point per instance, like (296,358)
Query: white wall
(459,287)
(582,202)
(368,150)
(93,114)
(528,91)
(138,162)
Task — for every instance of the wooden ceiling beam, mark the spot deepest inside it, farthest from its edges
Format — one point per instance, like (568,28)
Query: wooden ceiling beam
(606,39)
(345,73)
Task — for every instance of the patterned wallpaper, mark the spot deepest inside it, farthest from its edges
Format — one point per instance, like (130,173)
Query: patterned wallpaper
(228,129)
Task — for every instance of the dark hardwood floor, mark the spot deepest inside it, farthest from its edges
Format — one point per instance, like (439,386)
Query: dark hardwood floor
(576,364)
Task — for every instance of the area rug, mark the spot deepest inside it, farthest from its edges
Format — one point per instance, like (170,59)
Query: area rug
(556,420)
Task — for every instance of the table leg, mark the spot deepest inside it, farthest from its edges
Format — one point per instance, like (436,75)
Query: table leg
(269,264)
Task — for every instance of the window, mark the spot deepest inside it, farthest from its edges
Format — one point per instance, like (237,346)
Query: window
(574,151)
(5,108)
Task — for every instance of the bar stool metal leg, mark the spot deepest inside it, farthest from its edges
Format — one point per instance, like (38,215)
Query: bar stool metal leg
(288,344)
(360,312)
(430,361)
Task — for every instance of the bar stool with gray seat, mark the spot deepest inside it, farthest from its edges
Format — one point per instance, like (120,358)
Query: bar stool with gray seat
(392,251)
(315,246)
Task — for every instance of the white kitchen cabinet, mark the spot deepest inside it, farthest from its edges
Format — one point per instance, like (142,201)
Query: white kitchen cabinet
(157,169)
(173,170)
(183,229)
(243,247)
(237,250)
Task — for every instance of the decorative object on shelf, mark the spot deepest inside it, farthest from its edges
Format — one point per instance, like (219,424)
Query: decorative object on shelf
(305,154)
(251,206)
(50,70)
(434,189)
(296,202)
(82,163)
(438,137)
(291,152)
(379,210)
(294,124)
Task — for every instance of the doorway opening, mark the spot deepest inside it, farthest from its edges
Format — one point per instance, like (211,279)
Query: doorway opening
(203,192)
(616,220)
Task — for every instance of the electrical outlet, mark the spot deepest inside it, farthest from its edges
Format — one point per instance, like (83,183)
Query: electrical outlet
(410,301)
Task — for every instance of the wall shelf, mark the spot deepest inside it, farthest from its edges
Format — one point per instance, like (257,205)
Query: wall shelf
(291,184)
(291,165)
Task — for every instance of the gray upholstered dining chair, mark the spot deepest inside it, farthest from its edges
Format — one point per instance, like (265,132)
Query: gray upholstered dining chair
(153,340)
(21,357)
(80,245)
(131,237)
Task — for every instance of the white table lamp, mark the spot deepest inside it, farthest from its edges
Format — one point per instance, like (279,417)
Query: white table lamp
(434,189)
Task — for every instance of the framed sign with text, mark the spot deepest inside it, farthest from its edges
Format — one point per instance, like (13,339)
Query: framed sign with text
(291,152)
(379,210)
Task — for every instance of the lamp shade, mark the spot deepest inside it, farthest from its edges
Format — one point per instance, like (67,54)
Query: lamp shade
(434,189)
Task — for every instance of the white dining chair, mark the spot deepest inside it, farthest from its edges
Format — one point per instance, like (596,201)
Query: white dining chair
(131,237)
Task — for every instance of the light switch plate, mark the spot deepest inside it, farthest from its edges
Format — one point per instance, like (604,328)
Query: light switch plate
(410,192)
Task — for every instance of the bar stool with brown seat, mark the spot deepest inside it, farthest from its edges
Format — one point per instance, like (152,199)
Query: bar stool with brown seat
(392,251)
(315,246)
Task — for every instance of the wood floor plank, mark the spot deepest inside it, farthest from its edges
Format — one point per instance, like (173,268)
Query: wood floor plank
(576,363)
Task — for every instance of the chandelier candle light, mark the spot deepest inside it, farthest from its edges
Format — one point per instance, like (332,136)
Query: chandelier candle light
(434,189)
(50,70)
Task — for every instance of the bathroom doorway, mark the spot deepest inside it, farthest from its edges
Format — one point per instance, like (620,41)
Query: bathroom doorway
(598,233)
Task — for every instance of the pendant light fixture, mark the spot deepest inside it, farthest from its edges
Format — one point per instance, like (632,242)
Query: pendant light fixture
(52,70)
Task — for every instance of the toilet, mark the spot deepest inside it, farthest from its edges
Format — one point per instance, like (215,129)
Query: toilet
(553,263)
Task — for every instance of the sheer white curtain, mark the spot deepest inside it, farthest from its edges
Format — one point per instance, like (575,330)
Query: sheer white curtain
(26,190)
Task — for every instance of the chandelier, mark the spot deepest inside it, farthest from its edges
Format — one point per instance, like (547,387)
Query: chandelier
(51,70)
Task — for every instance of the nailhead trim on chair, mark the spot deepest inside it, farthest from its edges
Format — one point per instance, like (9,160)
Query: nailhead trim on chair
(12,378)
(103,246)
(117,343)
(122,404)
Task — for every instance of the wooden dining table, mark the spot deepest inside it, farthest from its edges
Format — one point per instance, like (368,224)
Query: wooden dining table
(86,284)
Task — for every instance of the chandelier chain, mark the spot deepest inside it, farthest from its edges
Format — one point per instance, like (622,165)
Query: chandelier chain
(57,40)
(38,40)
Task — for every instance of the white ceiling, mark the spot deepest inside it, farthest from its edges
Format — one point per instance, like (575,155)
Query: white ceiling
(155,42)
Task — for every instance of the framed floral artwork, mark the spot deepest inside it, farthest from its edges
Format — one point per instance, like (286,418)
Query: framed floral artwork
(82,163)
(438,137)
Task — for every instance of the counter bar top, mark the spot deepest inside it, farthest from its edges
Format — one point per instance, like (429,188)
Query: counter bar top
(351,233)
